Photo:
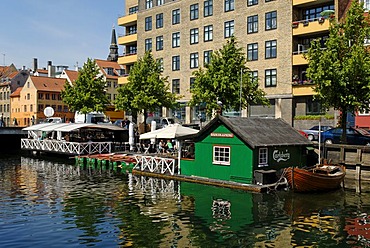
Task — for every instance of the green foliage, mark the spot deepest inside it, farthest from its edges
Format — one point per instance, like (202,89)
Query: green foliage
(221,79)
(313,117)
(341,71)
(146,89)
(87,94)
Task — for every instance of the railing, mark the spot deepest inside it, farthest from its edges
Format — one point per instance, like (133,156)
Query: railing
(154,164)
(307,21)
(64,147)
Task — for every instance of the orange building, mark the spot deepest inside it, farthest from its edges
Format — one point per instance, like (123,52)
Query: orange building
(28,102)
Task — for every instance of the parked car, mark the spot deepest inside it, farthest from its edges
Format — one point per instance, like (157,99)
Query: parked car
(303,133)
(313,132)
(355,136)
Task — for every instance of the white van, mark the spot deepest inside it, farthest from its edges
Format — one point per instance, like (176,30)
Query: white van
(92,117)
(162,121)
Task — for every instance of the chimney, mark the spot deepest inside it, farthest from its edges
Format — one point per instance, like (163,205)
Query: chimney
(51,69)
(35,64)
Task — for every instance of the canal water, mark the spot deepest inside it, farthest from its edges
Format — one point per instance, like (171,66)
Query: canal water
(54,203)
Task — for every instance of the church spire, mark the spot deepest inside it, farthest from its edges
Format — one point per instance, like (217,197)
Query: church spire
(113,54)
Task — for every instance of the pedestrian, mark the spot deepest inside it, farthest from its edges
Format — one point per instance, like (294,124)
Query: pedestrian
(169,146)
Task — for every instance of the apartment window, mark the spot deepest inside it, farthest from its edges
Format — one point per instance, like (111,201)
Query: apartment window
(108,84)
(208,33)
(148,4)
(160,63)
(133,10)
(228,29)
(262,157)
(160,2)
(159,43)
(176,39)
(148,44)
(47,96)
(194,36)
(270,78)
(59,97)
(191,83)
(254,76)
(208,8)
(132,30)
(271,20)
(270,49)
(115,84)
(229,5)
(313,107)
(148,23)
(65,109)
(176,63)
(194,11)
(207,56)
(176,16)
(252,52)
(221,155)
(252,2)
(159,20)
(24,108)
(40,107)
(28,96)
(176,86)
(252,24)
(53,96)
(194,60)
(312,13)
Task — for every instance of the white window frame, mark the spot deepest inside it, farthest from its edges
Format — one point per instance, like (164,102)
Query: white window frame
(262,157)
(224,155)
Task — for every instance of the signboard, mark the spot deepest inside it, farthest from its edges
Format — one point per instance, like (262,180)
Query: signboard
(279,156)
(48,111)
(222,135)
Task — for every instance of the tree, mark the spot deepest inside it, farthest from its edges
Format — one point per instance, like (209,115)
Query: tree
(221,79)
(146,89)
(341,71)
(87,93)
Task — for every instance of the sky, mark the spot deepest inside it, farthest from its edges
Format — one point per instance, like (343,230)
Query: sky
(65,32)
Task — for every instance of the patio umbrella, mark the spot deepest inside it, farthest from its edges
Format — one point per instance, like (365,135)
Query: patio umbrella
(327,13)
(170,132)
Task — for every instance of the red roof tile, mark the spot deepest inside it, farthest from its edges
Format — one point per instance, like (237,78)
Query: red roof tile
(48,83)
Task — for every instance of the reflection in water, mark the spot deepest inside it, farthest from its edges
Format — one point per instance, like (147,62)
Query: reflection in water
(53,203)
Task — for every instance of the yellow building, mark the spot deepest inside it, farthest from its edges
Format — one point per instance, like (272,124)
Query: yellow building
(28,102)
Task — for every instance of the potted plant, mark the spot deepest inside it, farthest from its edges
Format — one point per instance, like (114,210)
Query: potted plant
(295,24)
(321,20)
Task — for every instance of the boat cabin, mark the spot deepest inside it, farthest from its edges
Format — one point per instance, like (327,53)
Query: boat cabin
(244,150)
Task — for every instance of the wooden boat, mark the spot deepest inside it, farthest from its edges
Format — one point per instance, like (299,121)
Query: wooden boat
(318,178)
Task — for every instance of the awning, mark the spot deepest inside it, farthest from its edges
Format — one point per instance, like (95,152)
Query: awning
(37,126)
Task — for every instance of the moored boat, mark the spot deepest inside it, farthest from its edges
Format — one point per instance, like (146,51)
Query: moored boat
(318,178)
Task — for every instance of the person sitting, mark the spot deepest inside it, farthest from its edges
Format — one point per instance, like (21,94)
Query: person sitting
(169,146)
(190,151)
(161,146)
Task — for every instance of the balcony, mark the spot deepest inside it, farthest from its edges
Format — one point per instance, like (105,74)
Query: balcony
(127,59)
(312,26)
(127,39)
(303,88)
(306,2)
(127,20)
(123,79)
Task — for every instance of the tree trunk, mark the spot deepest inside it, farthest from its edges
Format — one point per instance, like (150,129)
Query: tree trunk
(343,125)
(145,117)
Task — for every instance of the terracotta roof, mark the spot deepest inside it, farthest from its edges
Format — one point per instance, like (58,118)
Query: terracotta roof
(17,92)
(72,75)
(103,64)
(255,132)
(48,83)
(13,74)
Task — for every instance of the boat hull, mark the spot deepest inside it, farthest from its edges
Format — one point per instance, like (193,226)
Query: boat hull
(302,180)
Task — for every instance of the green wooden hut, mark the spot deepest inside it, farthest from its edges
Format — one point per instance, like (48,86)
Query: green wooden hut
(238,149)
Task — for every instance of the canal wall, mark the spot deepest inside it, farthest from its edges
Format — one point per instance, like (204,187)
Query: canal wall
(10,138)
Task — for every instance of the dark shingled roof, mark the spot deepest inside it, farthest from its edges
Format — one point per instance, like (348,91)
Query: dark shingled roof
(256,132)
